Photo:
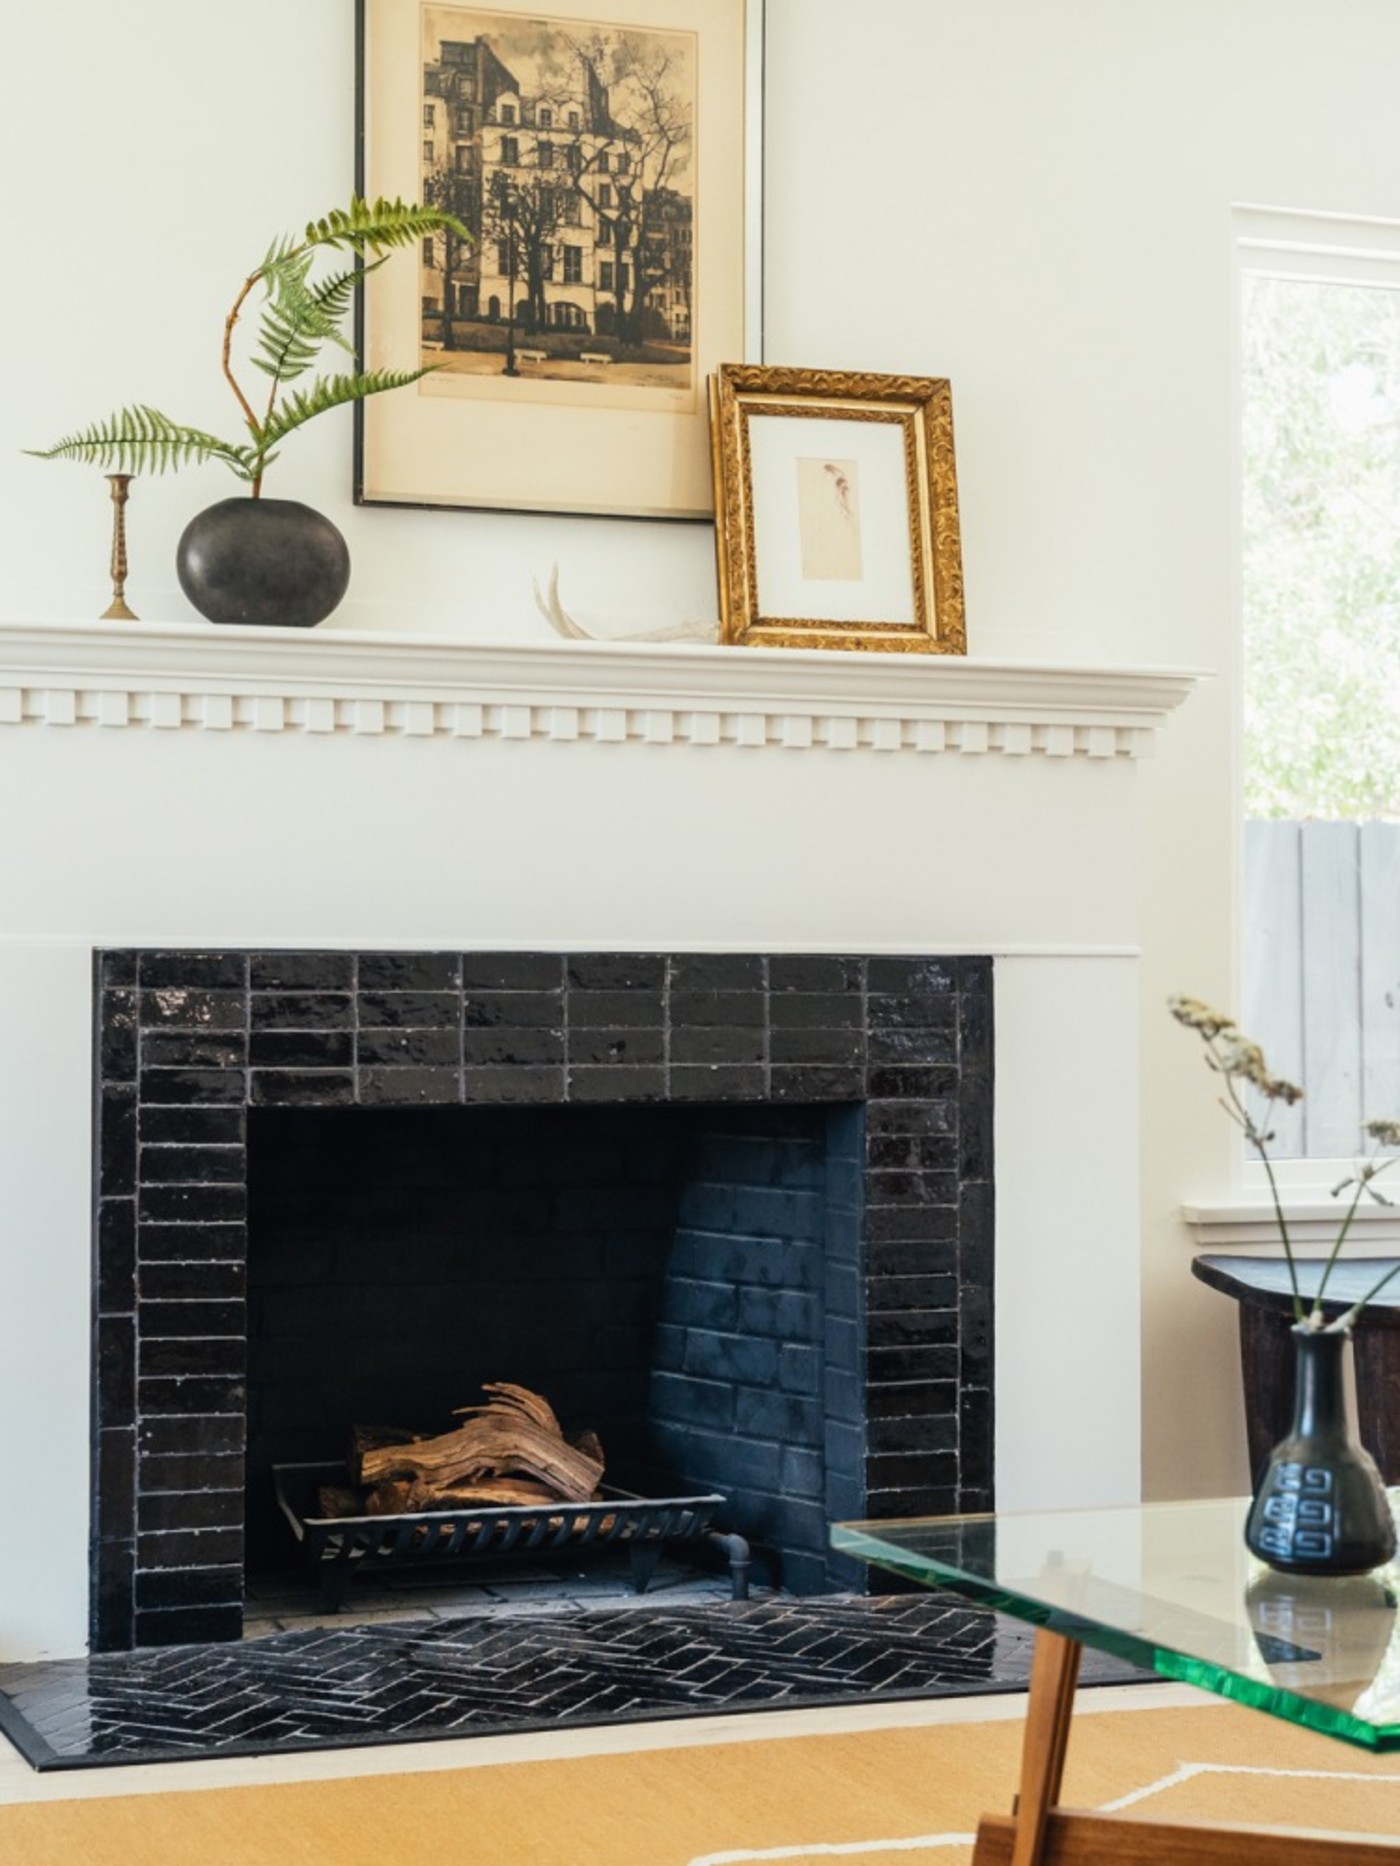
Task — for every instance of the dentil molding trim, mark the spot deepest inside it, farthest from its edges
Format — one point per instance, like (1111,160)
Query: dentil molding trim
(174,677)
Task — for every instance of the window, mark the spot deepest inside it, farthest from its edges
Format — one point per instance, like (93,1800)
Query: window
(427,150)
(605,232)
(503,256)
(510,151)
(429,252)
(1319,391)
(544,154)
(573,265)
(603,162)
(624,162)
(508,113)
(605,195)
(605,275)
(573,120)
(429,115)
(544,116)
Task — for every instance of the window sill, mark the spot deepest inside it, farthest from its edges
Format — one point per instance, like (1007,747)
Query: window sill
(1313,1223)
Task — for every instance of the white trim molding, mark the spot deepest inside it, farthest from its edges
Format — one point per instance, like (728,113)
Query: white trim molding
(1313,1224)
(173,677)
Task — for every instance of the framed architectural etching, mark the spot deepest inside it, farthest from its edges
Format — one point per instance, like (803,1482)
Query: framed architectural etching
(837,510)
(603,156)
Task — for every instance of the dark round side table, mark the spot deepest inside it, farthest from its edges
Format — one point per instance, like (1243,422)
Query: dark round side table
(1261,1287)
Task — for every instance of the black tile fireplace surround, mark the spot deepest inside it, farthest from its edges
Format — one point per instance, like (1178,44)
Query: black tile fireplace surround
(803,1215)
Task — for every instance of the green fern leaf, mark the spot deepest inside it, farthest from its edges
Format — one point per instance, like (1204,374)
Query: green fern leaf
(380,226)
(329,392)
(141,439)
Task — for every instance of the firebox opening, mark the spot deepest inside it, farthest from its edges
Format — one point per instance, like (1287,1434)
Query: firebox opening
(686,1281)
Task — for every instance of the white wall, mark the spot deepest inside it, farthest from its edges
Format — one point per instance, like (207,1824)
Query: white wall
(1043,192)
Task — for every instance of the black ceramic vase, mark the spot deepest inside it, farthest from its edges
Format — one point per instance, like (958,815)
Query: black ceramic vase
(1320,1506)
(270,562)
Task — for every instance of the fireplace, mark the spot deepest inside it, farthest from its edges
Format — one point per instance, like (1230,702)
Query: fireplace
(733,1210)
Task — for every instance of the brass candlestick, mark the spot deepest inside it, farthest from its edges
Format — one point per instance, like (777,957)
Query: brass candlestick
(117,611)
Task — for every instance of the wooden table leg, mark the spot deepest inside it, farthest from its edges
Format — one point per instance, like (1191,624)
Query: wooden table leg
(1054,1674)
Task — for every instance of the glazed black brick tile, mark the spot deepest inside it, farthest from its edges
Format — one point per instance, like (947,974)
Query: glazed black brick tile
(180,1318)
(512,1046)
(717,1082)
(408,1010)
(893,1328)
(302,1049)
(911,1470)
(824,1049)
(823,972)
(893,1082)
(908,975)
(977,1235)
(518,1010)
(916,1434)
(976,1448)
(916,1152)
(193,1471)
(512,972)
(611,1010)
(913,1047)
(815,1082)
(193,1087)
(301,1088)
(181,1008)
(410,971)
(908,1399)
(936,1362)
(114,1501)
(190,1587)
(180,1510)
(915,1224)
(178,1127)
(117,1143)
(117,1037)
(116,1256)
(718,971)
(935,1117)
(193,1282)
(182,1165)
(190,1435)
(912,1292)
(182,1626)
(390,1087)
(912,1011)
(301,971)
(116,1370)
(298,1010)
(113,1578)
(975,1334)
(616,1046)
(115,968)
(173,1393)
(194,1049)
(190,1243)
(910,1256)
(427,1049)
(192,971)
(698,1010)
(912,1188)
(538,1086)
(191,1204)
(821,1010)
(613,972)
(691,1043)
(624,1083)
(923,1500)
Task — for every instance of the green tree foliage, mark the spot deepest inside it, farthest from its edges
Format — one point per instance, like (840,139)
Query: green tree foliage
(1321,471)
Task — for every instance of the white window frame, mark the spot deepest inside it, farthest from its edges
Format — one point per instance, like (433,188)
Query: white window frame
(1324,248)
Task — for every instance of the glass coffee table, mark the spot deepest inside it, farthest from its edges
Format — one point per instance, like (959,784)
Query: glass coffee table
(1171,1587)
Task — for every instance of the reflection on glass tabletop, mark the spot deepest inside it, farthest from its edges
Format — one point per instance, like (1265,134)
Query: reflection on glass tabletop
(1172,1587)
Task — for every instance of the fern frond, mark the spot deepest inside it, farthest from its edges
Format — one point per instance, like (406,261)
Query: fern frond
(380,226)
(140,439)
(299,321)
(331,392)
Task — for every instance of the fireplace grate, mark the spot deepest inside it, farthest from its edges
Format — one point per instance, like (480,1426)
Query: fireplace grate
(335,1546)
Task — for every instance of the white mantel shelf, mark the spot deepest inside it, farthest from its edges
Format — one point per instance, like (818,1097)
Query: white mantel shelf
(172,677)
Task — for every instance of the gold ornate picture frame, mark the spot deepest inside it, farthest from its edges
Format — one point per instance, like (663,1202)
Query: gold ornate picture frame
(836,506)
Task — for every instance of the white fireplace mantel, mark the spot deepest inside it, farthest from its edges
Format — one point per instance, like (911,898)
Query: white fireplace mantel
(177,677)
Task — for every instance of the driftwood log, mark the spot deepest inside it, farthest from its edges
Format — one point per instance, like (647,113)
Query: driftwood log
(510,1451)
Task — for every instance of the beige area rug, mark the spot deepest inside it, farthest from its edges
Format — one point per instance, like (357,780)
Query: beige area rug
(891,1797)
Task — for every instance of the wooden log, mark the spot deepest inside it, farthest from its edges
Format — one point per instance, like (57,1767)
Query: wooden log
(515,1434)
(365,1438)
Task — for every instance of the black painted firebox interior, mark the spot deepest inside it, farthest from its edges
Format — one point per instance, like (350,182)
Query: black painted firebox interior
(663,1275)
